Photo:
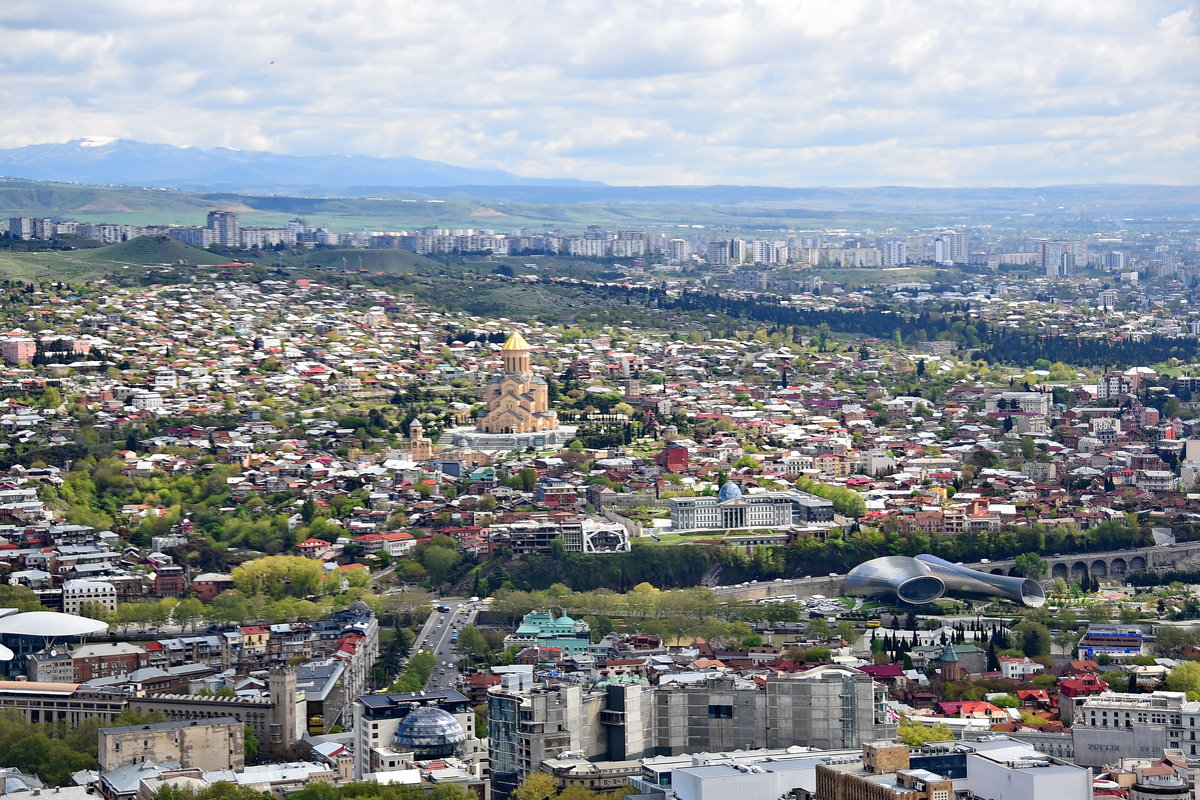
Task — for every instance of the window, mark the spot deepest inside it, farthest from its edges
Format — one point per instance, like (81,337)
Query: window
(720,712)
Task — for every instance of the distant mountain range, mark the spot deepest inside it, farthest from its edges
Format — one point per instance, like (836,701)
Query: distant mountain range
(106,161)
(312,184)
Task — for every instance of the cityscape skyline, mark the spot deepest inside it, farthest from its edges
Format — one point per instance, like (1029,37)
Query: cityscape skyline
(857,94)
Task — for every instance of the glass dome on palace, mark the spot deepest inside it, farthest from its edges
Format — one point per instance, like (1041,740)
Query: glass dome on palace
(729,491)
(429,732)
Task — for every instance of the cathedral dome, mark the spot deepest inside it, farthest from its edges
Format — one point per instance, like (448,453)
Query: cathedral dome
(515,342)
(730,491)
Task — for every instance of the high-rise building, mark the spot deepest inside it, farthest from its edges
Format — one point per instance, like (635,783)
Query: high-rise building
(951,247)
(1060,259)
(738,251)
(196,237)
(895,252)
(383,724)
(828,707)
(679,250)
(918,247)
(224,225)
(32,228)
(718,253)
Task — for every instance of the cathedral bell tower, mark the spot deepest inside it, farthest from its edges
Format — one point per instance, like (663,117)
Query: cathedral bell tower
(516,354)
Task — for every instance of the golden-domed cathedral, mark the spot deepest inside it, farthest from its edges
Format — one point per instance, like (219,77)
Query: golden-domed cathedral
(517,400)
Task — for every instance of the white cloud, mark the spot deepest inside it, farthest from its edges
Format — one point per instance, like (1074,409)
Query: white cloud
(833,92)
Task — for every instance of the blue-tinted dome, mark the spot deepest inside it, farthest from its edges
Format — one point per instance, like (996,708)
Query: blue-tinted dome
(730,491)
(430,731)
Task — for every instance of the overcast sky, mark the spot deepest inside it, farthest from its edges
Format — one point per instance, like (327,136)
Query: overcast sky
(782,92)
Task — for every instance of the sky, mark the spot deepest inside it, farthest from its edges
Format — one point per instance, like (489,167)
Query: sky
(768,92)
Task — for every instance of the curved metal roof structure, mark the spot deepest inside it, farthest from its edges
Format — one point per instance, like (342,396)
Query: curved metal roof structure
(925,578)
(6,654)
(963,581)
(50,624)
(895,577)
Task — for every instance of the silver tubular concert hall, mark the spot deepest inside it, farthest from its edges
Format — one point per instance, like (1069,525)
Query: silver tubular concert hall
(926,578)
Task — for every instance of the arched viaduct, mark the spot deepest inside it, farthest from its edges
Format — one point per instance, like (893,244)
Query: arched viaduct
(1114,564)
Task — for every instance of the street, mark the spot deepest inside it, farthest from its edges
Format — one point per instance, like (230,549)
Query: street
(436,634)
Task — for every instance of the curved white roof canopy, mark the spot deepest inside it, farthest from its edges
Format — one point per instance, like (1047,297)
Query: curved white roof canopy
(50,624)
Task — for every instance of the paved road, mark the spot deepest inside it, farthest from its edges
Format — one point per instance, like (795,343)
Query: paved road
(436,634)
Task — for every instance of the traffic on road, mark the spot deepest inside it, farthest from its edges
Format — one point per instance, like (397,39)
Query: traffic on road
(439,636)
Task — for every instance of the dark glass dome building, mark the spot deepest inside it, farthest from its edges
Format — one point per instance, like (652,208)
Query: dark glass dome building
(430,733)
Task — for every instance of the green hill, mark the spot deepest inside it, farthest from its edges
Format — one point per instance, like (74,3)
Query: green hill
(397,262)
(148,250)
(72,264)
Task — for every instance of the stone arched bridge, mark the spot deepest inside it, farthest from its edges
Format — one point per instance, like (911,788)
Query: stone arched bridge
(1112,564)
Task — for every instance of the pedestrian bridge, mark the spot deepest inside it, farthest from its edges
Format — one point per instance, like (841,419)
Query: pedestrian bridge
(1113,564)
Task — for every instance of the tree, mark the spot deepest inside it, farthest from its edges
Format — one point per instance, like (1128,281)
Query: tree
(1184,677)
(746,462)
(1115,678)
(527,479)
(1035,638)
(538,786)
(93,609)
(188,611)
(250,745)
(279,576)
(438,562)
(1030,565)
(1170,638)
(915,734)
(21,598)
(577,791)
(471,643)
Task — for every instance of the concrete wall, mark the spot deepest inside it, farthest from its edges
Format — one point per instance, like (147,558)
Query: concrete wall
(207,746)
(1095,747)
(986,778)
